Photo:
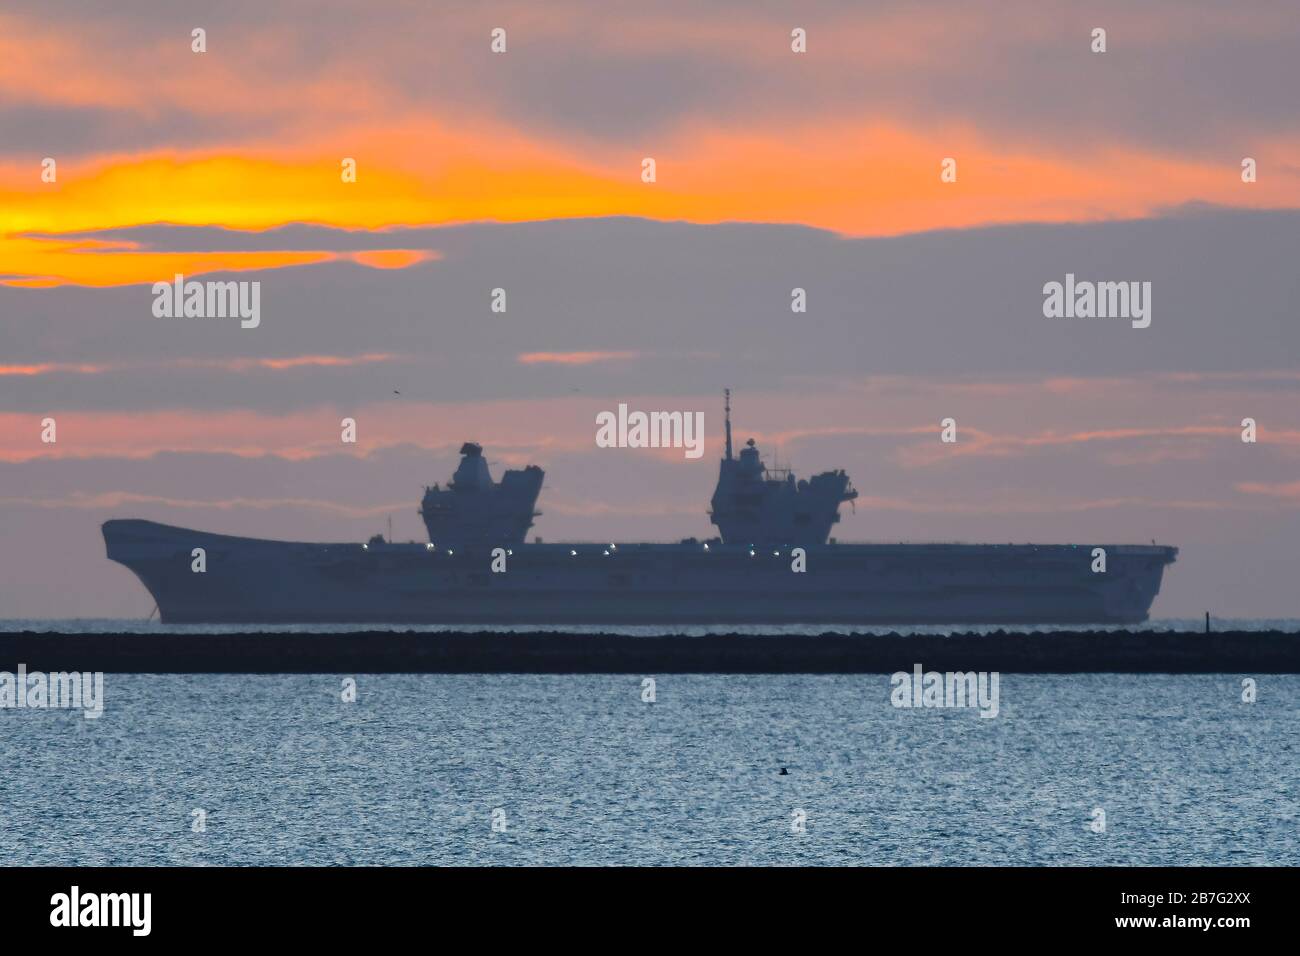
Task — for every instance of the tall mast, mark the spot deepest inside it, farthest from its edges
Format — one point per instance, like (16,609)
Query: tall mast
(727,392)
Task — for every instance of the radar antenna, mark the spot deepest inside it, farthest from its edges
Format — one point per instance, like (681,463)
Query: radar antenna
(727,393)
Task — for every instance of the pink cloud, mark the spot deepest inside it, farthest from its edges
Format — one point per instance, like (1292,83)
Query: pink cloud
(228,365)
(573,358)
(1288,489)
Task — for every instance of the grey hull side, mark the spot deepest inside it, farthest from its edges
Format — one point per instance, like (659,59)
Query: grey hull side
(249,580)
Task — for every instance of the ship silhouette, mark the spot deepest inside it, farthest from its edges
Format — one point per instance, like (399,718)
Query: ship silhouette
(772,562)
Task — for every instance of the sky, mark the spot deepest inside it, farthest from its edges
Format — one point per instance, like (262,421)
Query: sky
(774,170)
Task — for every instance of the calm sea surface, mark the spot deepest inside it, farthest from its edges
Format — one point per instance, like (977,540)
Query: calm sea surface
(580,770)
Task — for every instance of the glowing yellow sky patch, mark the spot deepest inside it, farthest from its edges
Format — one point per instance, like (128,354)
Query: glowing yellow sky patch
(283,124)
(234,191)
(251,194)
(45,263)
(392,258)
(854,180)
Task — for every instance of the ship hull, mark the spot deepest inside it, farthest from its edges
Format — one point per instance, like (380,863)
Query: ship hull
(255,581)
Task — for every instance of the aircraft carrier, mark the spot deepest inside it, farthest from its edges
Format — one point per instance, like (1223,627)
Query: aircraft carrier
(772,562)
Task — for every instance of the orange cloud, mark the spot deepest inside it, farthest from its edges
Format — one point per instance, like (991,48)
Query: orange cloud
(392,258)
(572,358)
(868,168)
(42,263)
(296,361)
(47,368)
(850,177)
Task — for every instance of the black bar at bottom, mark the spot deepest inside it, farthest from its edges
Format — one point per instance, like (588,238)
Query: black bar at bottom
(940,907)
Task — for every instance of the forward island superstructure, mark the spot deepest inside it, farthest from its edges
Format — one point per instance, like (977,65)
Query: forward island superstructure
(773,562)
